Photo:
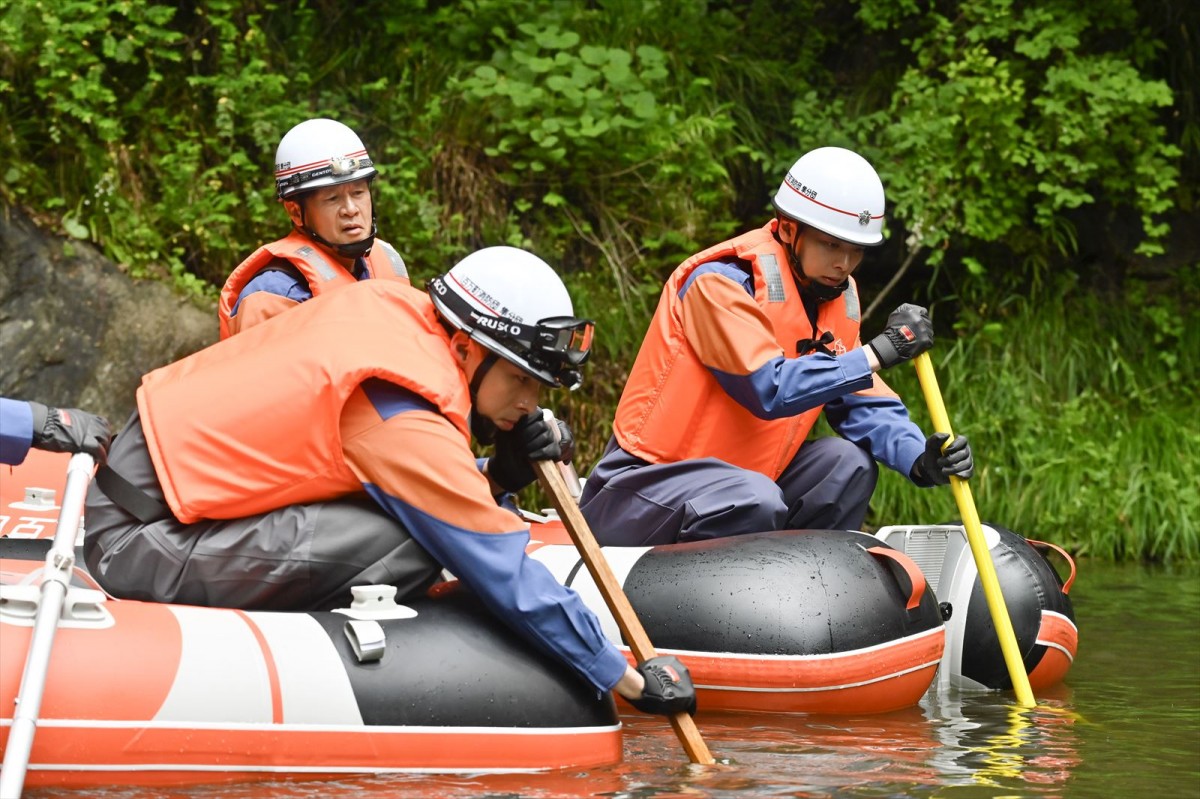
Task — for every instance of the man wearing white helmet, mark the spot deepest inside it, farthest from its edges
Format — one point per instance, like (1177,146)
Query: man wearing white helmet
(346,460)
(752,339)
(323,178)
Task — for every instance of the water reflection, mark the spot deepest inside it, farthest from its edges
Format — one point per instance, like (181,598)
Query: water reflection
(947,746)
(999,744)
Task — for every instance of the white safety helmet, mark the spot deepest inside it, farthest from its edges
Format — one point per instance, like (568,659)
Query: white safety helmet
(836,191)
(515,305)
(316,153)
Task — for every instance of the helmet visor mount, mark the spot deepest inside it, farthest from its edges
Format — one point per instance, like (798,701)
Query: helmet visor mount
(558,345)
(562,339)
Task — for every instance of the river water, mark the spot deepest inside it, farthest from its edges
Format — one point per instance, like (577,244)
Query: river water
(1125,723)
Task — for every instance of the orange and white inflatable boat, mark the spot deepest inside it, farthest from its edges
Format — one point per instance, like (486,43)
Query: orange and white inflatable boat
(147,693)
(812,621)
(824,621)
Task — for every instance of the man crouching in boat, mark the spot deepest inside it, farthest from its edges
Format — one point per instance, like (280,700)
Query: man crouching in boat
(751,340)
(330,447)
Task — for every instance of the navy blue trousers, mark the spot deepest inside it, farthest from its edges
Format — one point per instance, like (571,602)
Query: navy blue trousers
(628,502)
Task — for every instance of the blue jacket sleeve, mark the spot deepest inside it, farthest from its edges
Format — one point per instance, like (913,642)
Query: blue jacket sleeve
(735,343)
(16,430)
(274,281)
(784,387)
(418,467)
(881,425)
(519,590)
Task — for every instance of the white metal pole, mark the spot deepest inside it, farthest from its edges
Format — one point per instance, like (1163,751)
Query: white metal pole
(56,578)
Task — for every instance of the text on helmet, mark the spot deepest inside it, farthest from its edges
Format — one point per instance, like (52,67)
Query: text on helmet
(497,325)
(808,192)
(482,296)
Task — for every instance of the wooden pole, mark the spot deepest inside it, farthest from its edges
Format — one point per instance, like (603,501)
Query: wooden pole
(614,595)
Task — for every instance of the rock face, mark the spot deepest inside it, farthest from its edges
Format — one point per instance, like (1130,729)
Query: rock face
(77,332)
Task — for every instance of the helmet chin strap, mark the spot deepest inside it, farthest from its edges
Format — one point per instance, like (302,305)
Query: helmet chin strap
(482,428)
(809,288)
(352,250)
(819,291)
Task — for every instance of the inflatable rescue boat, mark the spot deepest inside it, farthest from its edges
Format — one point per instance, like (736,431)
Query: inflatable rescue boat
(148,693)
(831,621)
(819,621)
(1037,599)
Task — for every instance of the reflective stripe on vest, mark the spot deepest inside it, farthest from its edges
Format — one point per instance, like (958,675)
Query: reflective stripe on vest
(395,266)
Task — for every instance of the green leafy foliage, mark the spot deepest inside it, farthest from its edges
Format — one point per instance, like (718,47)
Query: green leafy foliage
(1009,117)
(594,144)
(617,137)
(1083,430)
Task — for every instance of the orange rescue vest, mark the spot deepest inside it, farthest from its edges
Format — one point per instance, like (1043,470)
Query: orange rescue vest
(320,270)
(673,409)
(251,423)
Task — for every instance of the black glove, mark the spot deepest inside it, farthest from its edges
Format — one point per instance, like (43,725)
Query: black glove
(934,467)
(70,430)
(909,333)
(531,439)
(669,688)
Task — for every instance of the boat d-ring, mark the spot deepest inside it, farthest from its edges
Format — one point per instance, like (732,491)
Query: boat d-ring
(916,578)
(366,638)
(372,603)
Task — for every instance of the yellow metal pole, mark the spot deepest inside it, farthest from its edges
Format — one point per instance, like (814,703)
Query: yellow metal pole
(983,558)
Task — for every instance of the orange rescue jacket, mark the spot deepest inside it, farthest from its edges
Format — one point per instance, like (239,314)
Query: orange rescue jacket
(320,270)
(251,423)
(673,409)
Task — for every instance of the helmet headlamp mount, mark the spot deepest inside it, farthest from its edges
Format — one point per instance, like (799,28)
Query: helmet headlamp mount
(337,167)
